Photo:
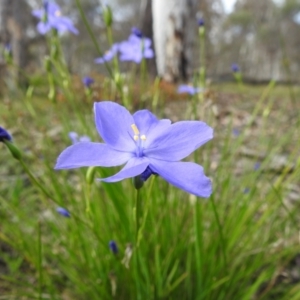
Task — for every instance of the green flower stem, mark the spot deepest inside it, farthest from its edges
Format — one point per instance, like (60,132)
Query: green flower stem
(88,27)
(115,59)
(239,79)
(223,243)
(198,225)
(137,210)
(202,71)
(87,199)
(145,214)
(40,261)
(156,94)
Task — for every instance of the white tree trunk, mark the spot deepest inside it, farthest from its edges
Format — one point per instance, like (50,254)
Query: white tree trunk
(174,31)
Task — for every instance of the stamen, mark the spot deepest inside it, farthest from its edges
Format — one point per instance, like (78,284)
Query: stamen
(143,137)
(135,137)
(58,13)
(135,129)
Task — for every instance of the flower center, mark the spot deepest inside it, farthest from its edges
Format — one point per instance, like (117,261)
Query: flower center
(139,141)
(58,13)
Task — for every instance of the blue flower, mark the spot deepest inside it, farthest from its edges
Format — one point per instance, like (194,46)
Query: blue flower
(64,212)
(256,166)
(235,68)
(201,22)
(246,190)
(235,132)
(4,135)
(113,247)
(136,48)
(87,81)
(144,143)
(108,55)
(188,89)
(136,32)
(51,18)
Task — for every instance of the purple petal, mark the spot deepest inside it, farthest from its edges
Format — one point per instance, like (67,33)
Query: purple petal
(43,27)
(73,136)
(134,167)
(178,140)
(108,55)
(89,154)
(38,13)
(144,119)
(113,123)
(148,53)
(184,175)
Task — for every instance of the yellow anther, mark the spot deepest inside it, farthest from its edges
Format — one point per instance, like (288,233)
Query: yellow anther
(135,137)
(143,137)
(135,129)
(58,13)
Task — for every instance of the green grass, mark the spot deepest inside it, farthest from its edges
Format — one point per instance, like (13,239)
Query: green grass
(234,245)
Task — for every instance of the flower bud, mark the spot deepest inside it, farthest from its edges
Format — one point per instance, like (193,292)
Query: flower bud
(107,15)
(4,135)
(113,247)
(90,175)
(138,182)
(235,68)
(64,212)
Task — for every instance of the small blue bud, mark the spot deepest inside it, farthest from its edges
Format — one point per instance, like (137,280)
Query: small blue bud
(235,132)
(46,4)
(87,81)
(246,191)
(4,135)
(113,247)
(256,166)
(147,173)
(235,68)
(136,32)
(201,22)
(62,211)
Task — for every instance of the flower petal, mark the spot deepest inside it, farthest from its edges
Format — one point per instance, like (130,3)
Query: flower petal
(113,123)
(134,167)
(144,119)
(184,175)
(89,154)
(178,140)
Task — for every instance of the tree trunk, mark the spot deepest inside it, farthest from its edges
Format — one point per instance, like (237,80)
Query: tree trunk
(175,29)
(147,29)
(15,17)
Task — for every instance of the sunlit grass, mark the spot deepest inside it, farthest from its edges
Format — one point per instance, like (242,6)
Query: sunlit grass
(235,245)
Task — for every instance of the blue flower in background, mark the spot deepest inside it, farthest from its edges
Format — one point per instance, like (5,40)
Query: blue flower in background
(145,144)
(256,166)
(201,22)
(235,132)
(64,212)
(235,68)
(113,247)
(136,47)
(136,32)
(87,81)
(51,18)
(4,135)
(189,89)
(75,138)
(246,190)
(108,55)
